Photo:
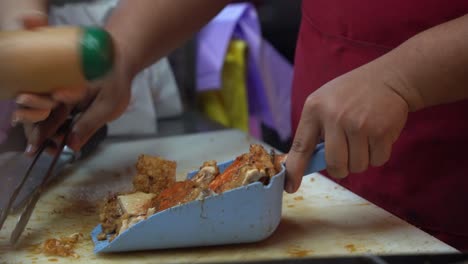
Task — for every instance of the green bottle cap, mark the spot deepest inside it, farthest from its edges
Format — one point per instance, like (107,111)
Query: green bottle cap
(97,52)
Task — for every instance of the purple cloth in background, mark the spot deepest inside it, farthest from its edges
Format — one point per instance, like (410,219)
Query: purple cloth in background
(269,77)
(213,41)
(6,109)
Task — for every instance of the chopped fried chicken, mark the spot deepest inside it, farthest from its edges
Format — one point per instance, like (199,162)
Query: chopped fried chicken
(156,189)
(63,247)
(154,174)
(257,165)
(123,211)
(179,193)
(208,171)
(132,204)
(188,190)
(279,159)
(110,215)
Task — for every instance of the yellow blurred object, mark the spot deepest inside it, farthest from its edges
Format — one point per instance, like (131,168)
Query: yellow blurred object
(229,105)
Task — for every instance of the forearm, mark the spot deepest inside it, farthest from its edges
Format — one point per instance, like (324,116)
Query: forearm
(146,30)
(432,67)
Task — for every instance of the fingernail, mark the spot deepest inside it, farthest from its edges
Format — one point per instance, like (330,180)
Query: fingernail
(30,149)
(20,100)
(14,121)
(289,187)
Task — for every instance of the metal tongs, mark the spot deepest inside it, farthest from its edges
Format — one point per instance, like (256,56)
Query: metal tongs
(34,196)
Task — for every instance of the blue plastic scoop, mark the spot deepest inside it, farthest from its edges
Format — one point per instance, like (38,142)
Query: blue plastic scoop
(246,214)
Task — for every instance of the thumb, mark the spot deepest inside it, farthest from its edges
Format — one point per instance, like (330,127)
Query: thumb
(303,146)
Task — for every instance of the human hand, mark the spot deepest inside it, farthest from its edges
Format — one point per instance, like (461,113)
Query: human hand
(43,115)
(103,101)
(359,115)
(32,108)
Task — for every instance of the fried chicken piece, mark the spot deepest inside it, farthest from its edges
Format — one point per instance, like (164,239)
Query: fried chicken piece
(154,174)
(120,212)
(208,171)
(257,165)
(179,193)
(63,247)
(244,175)
(186,191)
(156,189)
(228,173)
(132,204)
(133,207)
(130,221)
(278,160)
(110,216)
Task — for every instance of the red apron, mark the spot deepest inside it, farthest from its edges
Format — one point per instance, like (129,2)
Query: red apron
(426,180)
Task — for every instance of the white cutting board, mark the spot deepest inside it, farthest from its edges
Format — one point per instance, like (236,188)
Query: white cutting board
(321,219)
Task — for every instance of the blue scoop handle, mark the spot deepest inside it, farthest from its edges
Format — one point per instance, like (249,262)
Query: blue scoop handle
(317,162)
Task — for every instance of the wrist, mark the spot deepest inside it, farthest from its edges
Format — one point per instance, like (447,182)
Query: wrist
(125,56)
(395,72)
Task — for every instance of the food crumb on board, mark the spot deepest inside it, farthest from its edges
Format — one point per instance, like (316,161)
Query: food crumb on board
(298,198)
(290,205)
(351,248)
(312,179)
(56,211)
(298,252)
(362,204)
(53,259)
(63,247)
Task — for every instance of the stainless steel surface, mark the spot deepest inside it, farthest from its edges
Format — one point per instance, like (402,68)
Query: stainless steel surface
(41,171)
(6,191)
(13,172)
(29,207)
(38,175)
(15,164)
(25,215)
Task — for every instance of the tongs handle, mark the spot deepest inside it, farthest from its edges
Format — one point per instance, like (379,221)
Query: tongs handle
(317,162)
